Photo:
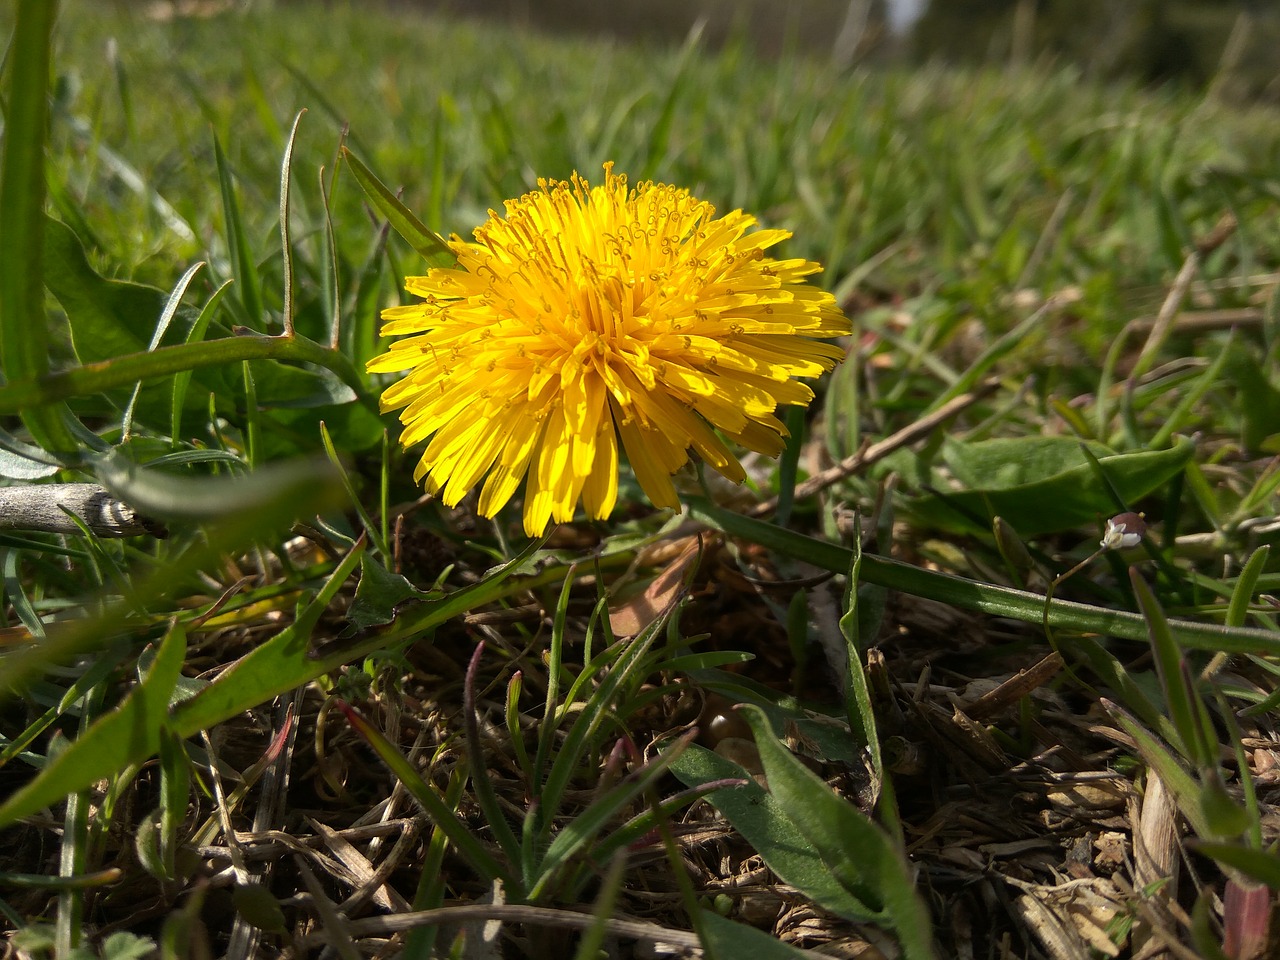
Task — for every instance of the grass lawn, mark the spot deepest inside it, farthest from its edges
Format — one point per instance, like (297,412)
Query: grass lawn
(984,664)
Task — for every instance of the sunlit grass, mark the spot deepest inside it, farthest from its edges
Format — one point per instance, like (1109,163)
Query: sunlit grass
(1049,254)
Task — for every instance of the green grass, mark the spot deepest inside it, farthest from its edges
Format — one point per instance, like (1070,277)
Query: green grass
(1006,237)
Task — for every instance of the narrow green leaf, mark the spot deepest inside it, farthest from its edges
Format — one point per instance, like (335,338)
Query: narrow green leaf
(125,370)
(286,171)
(973,595)
(1246,582)
(171,497)
(1185,791)
(166,317)
(789,464)
(243,267)
(570,751)
(585,827)
(430,245)
(114,741)
(182,379)
(440,812)
(24,348)
(1260,865)
(1180,699)
(1122,684)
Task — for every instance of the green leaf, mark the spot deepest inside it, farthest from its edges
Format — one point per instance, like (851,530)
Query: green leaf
(286,661)
(429,244)
(1041,485)
(111,319)
(24,348)
(725,940)
(1185,709)
(170,497)
(975,595)
(586,825)
(108,317)
(378,596)
(114,741)
(763,823)
(243,269)
(1260,865)
(439,812)
(1181,785)
(859,854)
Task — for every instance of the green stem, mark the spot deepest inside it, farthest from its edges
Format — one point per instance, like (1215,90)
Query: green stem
(125,370)
(984,597)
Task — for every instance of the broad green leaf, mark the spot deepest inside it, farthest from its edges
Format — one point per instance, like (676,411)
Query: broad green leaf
(725,940)
(763,823)
(1040,485)
(859,854)
(111,319)
(108,318)
(119,738)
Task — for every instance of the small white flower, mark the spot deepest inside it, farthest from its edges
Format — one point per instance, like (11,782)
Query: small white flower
(1123,531)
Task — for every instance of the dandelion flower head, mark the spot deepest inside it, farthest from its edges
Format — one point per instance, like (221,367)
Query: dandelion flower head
(588,318)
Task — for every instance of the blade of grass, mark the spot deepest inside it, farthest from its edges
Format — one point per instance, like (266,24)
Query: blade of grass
(440,812)
(1185,791)
(1246,584)
(182,379)
(973,595)
(113,741)
(243,269)
(1183,705)
(429,244)
(286,252)
(587,825)
(166,317)
(486,796)
(123,371)
(22,194)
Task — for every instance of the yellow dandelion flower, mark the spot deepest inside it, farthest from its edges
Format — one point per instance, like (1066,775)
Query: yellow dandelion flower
(589,318)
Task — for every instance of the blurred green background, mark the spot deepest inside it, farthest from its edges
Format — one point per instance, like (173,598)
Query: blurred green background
(1189,42)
